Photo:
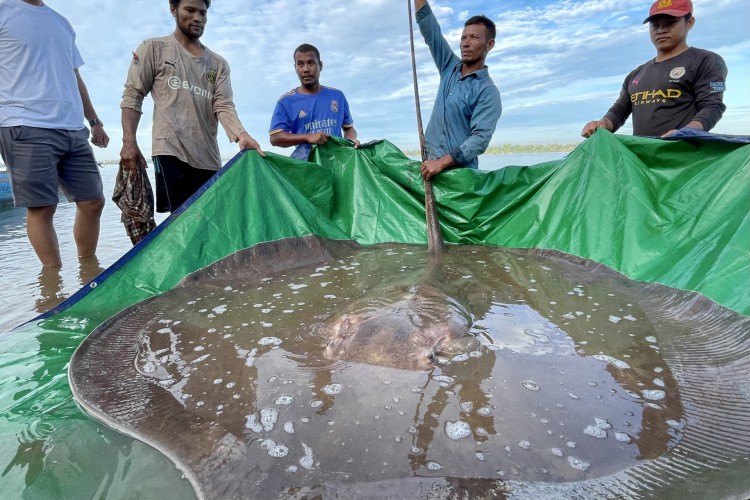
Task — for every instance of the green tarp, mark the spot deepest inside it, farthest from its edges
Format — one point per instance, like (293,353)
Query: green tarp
(672,212)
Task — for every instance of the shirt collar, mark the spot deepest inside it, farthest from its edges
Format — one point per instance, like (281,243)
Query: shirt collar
(478,74)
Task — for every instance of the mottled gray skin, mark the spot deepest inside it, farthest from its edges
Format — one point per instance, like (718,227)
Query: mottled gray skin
(407,327)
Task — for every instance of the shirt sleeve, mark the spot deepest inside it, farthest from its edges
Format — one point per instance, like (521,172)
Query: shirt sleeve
(140,78)
(441,52)
(348,121)
(483,123)
(223,104)
(280,121)
(622,107)
(710,85)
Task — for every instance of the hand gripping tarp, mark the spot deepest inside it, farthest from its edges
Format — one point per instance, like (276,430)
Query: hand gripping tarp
(671,212)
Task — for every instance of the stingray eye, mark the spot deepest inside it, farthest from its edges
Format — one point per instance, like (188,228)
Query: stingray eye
(431,357)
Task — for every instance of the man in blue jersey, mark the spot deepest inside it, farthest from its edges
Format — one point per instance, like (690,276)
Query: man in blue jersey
(467,106)
(310,113)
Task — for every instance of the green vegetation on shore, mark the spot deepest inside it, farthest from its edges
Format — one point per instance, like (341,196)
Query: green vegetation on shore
(519,148)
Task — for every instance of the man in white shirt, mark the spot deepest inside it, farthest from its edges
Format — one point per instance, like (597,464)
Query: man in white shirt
(43,141)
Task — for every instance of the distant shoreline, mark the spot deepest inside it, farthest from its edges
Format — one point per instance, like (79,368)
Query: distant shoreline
(518,149)
(492,150)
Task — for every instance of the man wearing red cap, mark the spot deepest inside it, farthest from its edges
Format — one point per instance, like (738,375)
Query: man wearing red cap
(681,87)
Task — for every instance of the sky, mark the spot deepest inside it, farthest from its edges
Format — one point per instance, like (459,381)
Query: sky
(558,64)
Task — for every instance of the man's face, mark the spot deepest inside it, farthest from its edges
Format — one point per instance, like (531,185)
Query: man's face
(191,17)
(474,44)
(308,68)
(668,32)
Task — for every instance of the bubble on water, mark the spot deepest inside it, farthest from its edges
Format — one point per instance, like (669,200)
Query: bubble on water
(651,339)
(573,396)
(220,309)
(270,340)
(612,361)
(530,385)
(289,428)
(275,450)
(629,318)
(467,406)
(307,460)
(674,424)
(524,444)
(268,417)
(284,400)
(595,431)
(602,423)
(297,286)
(632,394)
(484,411)
(416,450)
(475,354)
(578,464)
(198,348)
(387,382)
(432,465)
(251,422)
(218,381)
(457,430)
(316,403)
(332,389)
(622,437)
(615,319)
(557,452)
(570,444)
(412,430)
(460,357)
(481,431)
(658,369)
(654,395)
(291,469)
(149,367)
(480,456)
(658,382)
(444,379)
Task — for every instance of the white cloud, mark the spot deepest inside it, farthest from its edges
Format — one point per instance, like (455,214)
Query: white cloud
(557,63)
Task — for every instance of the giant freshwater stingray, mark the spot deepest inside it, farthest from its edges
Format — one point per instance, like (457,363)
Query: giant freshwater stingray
(308,367)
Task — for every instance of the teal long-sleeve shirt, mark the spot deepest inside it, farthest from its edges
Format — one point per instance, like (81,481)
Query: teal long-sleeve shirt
(466,108)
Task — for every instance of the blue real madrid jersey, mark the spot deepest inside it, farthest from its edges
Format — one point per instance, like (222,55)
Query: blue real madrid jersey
(327,112)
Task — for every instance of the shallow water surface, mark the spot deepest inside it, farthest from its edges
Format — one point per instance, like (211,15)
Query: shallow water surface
(562,377)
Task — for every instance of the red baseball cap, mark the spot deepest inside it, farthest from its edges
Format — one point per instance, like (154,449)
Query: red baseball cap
(674,8)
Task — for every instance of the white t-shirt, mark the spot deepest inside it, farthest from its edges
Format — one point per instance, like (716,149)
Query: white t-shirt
(38,86)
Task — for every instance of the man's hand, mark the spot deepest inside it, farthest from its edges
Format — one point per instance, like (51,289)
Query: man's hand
(98,136)
(247,142)
(351,135)
(317,138)
(131,156)
(694,124)
(431,168)
(592,126)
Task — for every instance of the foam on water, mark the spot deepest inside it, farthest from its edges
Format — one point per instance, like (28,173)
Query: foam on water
(457,430)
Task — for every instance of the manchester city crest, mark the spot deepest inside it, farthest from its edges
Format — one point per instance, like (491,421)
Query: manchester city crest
(677,72)
(211,76)
(335,106)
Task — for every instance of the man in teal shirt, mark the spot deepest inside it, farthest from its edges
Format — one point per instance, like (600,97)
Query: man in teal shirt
(468,105)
